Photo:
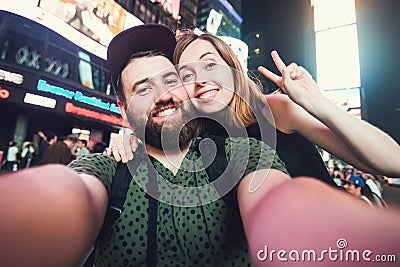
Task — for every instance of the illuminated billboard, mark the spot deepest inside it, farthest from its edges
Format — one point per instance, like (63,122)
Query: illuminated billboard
(348,99)
(101,20)
(170,6)
(240,49)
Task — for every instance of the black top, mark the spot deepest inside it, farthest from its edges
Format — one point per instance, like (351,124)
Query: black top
(299,154)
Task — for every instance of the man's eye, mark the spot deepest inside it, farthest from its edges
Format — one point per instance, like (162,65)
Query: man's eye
(143,91)
(210,66)
(171,82)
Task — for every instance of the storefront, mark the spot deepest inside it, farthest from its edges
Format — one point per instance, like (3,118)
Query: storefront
(51,84)
(30,103)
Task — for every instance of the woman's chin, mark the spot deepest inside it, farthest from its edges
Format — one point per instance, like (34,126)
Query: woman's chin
(211,108)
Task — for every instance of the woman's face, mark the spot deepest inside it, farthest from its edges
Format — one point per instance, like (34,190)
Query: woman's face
(206,77)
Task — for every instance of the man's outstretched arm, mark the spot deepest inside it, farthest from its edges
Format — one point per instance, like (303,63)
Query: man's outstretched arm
(286,220)
(50,216)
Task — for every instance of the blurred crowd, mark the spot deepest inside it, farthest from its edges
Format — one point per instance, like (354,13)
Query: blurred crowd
(62,150)
(49,150)
(365,186)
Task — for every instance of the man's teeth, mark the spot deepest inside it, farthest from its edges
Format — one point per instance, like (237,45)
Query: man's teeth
(208,94)
(166,112)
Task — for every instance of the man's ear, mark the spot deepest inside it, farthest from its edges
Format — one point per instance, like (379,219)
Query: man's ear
(359,189)
(123,107)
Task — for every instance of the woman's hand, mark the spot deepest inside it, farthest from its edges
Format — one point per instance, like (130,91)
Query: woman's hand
(333,129)
(297,83)
(123,147)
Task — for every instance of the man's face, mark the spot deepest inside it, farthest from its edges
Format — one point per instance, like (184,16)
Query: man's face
(351,188)
(80,144)
(70,144)
(156,102)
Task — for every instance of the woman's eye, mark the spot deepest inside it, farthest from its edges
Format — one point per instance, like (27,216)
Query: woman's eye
(210,66)
(187,77)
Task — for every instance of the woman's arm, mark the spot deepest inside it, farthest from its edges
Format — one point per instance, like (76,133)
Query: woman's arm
(323,123)
(50,216)
(122,147)
(290,118)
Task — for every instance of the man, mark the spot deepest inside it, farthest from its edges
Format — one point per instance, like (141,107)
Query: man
(46,142)
(192,228)
(354,185)
(60,152)
(82,145)
(196,223)
(11,158)
(27,153)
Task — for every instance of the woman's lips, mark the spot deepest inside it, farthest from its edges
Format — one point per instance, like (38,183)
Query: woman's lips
(208,96)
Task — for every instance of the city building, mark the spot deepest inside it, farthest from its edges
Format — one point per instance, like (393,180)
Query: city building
(53,69)
(53,73)
(219,17)
(175,13)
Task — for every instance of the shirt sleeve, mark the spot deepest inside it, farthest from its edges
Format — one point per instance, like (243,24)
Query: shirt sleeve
(246,155)
(98,165)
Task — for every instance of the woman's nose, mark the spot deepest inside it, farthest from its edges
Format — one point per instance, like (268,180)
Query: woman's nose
(201,83)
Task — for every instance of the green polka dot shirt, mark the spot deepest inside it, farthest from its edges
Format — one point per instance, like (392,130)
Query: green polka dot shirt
(211,234)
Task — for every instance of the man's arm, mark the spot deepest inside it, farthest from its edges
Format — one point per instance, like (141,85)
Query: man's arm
(255,185)
(50,216)
(285,216)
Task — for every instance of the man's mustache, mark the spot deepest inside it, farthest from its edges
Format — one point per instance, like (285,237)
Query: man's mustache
(163,106)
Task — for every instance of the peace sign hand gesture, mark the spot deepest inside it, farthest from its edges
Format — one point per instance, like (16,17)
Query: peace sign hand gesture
(296,82)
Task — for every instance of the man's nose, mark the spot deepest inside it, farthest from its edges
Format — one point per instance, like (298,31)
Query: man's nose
(166,95)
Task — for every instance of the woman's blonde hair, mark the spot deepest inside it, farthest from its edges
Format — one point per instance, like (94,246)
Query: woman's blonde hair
(247,94)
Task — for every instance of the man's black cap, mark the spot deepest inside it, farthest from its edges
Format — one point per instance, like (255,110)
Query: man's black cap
(141,38)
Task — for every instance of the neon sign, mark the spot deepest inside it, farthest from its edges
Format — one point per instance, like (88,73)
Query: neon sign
(78,96)
(40,100)
(71,108)
(11,77)
(4,94)
(171,6)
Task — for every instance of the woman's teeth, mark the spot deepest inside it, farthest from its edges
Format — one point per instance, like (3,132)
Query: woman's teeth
(208,94)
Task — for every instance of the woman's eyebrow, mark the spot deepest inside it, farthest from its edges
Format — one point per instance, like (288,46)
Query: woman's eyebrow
(201,57)
(205,54)
(181,67)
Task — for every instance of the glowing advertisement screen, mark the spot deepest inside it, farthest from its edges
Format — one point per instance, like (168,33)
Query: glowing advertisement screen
(101,20)
(170,6)
(348,99)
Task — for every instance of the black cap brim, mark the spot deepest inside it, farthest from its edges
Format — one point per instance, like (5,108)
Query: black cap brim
(142,38)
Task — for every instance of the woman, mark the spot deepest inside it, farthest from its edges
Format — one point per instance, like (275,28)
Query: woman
(302,117)
(303,113)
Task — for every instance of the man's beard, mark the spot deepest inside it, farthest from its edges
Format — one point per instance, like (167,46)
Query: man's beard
(170,135)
